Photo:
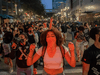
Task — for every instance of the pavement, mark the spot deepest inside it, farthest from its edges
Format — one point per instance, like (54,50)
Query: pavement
(4,69)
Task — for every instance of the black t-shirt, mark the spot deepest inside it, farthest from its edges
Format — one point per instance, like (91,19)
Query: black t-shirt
(64,28)
(39,34)
(31,38)
(92,56)
(21,54)
(73,27)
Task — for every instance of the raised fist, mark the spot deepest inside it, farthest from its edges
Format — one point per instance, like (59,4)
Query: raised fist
(32,47)
(71,46)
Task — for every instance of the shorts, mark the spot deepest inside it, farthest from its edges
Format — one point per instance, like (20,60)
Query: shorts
(44,73)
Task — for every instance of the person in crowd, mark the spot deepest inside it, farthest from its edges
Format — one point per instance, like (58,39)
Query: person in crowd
(39,44)
(80,42)
(51,40)
(36,36)
(1,41)
(2,31)
(58,24)
(7,50)
(86,32)
(9,29)
(21,29)
(31,35)
(20,51)
(64,28)
(16,33)
(31,40)
(12,27)
(45,25)
(91,56)
(73,30)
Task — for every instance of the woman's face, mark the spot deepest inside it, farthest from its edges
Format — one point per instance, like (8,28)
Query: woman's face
(51,38)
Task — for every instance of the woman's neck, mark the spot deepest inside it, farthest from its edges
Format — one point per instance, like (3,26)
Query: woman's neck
(51,46)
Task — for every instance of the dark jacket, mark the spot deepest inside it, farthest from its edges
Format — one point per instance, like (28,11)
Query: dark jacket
(21,60)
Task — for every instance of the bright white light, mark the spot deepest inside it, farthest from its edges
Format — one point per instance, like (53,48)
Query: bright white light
(65,8)
(90,7)
(77,18)
(19,9)
(27,14)
(64,13)
(60,2)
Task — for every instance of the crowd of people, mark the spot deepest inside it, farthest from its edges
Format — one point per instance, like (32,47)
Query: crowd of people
(43,43)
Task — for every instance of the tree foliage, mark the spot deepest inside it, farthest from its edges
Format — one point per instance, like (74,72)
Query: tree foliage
(34,6)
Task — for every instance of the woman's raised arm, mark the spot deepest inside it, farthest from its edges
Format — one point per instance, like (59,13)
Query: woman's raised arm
(70,57)
(32,59)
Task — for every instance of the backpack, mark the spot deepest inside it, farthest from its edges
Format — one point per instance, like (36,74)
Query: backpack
(61,49)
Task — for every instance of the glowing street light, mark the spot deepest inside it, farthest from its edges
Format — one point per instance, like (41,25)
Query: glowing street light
(27,14)
(20,10)
(68,7)
(90,7)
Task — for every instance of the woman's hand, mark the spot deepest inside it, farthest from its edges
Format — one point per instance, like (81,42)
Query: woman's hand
(71,46)
(32,47)
(71,57)
(14,46)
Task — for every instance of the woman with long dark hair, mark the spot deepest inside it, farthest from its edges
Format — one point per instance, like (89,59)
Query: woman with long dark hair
(53,61)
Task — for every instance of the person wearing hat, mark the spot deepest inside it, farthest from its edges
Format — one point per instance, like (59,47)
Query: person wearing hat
(91,56)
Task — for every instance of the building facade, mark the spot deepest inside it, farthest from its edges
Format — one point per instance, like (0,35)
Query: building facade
(80,10)
(85,10)
(8,8)
(57,3)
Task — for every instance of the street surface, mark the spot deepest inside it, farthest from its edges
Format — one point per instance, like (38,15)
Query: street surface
(4,69)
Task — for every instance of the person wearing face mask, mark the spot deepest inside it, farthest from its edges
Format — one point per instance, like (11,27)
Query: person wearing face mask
(91,56)
(20,52)
(30,35)
(16,33)
(8,29)
(21,29)
(31,40)
(52,53)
